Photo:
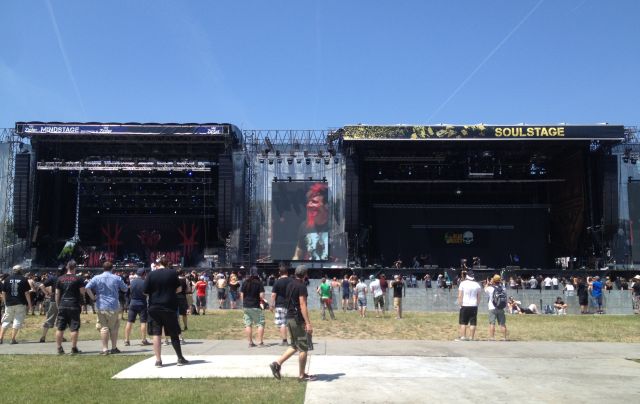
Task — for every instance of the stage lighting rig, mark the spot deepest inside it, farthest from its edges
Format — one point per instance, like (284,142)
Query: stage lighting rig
(111,165)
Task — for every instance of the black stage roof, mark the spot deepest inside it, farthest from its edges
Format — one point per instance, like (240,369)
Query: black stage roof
(603,132)
(132,131)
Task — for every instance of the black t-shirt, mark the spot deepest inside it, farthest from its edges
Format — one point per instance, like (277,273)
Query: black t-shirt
(161,286)
(69,287)
(636,288)
(280,289)
(136,292)
(397,288)
(251,290)
(295,289)
(183,285)
(314,242)
(15,286)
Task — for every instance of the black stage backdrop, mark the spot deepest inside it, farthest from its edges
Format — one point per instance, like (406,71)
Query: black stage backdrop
(289,213)
(634,219)
(147,236)
(499,235)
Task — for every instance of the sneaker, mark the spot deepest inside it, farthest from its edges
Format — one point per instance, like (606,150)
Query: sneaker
(275,369)
(127,343)
(252,345)
(284,343)
(158,364)
(460,339)
(60,351)
(42,340)
(182,362)
(104,353)
(307,378)
(115,351)
(75,351)
(145,342)
(13,342)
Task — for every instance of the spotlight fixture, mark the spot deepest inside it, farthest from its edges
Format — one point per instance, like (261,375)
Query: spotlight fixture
(307,160)
(458,191)
(327,160)
(289,160)
(270,161)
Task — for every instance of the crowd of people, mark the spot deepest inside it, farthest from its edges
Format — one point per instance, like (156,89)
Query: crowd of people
(163,297)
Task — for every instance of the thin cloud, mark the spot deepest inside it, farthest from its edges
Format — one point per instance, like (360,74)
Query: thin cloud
(65,58)
(485,60)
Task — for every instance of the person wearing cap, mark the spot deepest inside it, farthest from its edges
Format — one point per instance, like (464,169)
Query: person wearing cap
(468,299)
(201,295)
(495,314)
(596,293)
(16,298)
(107,287)
(378,296)
(299,325)
(137,307)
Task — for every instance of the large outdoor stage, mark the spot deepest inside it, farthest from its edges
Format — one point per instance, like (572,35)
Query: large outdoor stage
(543,197)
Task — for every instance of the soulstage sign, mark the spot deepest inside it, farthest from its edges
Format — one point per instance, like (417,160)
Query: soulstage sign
(484,132)
(34,128)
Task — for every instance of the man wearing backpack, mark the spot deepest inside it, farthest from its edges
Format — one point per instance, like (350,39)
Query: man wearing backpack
(497,302)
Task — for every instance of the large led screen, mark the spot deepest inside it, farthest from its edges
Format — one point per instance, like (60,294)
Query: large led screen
(301,221)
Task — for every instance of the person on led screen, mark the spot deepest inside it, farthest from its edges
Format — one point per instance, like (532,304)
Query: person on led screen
(313,234)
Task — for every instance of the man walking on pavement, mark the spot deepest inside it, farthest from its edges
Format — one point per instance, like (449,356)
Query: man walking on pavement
(468,299)
(69,296)
(299,326)
(17,299)
(107,287)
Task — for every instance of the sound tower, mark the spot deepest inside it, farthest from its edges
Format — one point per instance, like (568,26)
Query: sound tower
(352,217)
(21,194)
(225,192)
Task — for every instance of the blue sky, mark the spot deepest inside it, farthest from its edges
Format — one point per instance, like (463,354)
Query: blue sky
(320,64)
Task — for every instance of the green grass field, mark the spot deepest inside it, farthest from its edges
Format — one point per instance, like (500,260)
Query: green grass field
(228,324)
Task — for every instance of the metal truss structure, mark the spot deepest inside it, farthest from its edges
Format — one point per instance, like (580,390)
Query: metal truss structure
(10,245)
(277,146)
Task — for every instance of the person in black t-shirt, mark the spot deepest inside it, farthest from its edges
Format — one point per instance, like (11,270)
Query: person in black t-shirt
(69,294)
(51,307)
(251,294)
(137,307)
(17,301)
(279,302)
(398,287)
(162,286)
(299,325)
(313,234)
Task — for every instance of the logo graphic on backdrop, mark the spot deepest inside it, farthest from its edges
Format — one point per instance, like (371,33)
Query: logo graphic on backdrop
(456,238)
(301,222)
